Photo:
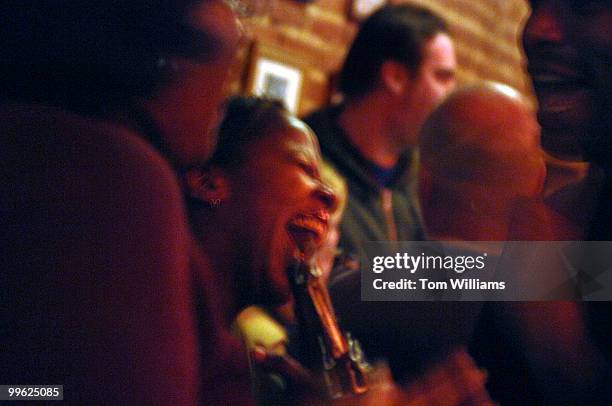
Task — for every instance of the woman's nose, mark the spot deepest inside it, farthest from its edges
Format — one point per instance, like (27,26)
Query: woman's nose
(327,196)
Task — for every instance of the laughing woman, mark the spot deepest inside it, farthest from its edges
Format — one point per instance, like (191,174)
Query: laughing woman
(259,203)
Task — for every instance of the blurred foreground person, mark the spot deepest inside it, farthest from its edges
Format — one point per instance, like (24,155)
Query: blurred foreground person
(99,101)
(482,179)
(480,159)
(567,44)
(569,54)
(480,155)
(399,67)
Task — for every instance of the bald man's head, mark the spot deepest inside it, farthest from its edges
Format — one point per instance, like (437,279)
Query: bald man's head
(483,140)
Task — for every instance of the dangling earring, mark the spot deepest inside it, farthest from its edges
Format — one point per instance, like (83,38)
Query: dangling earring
(203,188)
(195,195)
(214,203)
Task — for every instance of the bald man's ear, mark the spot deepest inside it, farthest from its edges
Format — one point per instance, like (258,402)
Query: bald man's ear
(542,180)
(395,77)
(207,185)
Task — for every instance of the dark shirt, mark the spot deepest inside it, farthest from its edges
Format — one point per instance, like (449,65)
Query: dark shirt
(385,176)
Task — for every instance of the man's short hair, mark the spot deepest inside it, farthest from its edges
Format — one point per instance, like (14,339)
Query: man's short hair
(395,32)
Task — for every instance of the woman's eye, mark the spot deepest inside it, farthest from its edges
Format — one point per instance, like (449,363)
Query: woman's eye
(310,169)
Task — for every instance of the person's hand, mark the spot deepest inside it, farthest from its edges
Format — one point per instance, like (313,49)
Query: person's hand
(302,385)
(284,365)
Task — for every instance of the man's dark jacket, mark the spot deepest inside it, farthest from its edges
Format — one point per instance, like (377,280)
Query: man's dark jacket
(373,212)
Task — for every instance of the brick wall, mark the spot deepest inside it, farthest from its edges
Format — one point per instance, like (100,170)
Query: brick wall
(314,38)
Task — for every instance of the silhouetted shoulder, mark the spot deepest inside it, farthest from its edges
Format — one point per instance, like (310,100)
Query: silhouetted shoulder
(97,269)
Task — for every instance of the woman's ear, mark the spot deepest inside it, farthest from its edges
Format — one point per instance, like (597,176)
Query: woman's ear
(207,185)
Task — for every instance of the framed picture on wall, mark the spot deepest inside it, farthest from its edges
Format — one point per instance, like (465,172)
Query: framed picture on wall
(274,78)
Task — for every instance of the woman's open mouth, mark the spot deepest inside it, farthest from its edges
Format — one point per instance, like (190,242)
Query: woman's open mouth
(308,229)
